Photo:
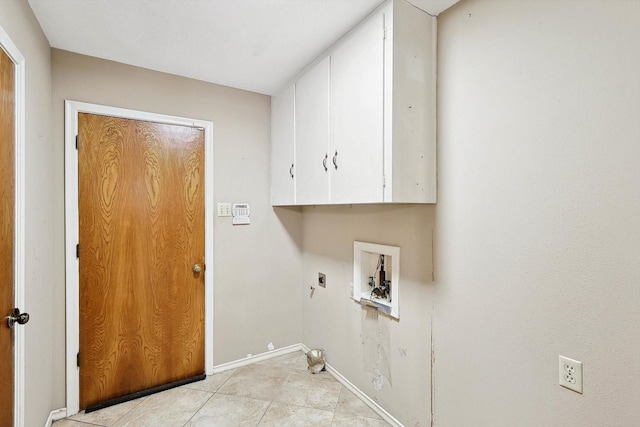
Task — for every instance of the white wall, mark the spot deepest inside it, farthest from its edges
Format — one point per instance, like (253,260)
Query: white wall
(257,267)
(538,230)
(18,21)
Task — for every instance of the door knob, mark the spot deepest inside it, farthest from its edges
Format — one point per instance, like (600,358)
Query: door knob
(16,317)
(196,268)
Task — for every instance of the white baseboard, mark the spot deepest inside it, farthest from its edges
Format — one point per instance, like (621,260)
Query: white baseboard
(256,358)
(56,415)
(362,396)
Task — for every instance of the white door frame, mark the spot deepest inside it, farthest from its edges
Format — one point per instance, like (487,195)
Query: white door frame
(10,48)
(72,108)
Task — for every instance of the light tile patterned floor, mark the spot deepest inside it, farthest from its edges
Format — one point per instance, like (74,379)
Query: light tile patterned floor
(277,392)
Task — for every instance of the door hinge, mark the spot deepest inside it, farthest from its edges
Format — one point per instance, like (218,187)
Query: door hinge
(384,33)
(384,181)
(78,359)
(77,139)
(78,251)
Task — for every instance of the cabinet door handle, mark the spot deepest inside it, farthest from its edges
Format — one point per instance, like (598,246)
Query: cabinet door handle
(291,170)
(335,160)
(324,162)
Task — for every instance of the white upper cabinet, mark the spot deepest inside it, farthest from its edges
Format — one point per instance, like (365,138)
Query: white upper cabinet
(364,116)
(283,147)
(357,95)
(312,136)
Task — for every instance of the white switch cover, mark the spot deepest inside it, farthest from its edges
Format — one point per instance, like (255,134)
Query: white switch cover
(570,373)
(224,209)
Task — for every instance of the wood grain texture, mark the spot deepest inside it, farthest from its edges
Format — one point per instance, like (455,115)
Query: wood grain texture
(141,215)
(7,224)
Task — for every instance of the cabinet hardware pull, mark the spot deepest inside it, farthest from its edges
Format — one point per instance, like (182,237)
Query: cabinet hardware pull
(335,160)
(324,162)
(291,170)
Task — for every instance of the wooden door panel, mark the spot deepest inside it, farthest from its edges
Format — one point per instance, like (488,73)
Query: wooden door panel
(141,220)
(7,221)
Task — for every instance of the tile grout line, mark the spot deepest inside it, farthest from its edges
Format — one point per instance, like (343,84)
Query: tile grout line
(264,413)
(200,408)
(213,393)
(337,404)
(127,413)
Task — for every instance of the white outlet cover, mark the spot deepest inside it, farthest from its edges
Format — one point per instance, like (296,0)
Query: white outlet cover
(570,373)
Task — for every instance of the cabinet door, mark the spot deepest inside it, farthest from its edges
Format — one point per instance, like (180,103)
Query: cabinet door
(312,136)
(357,88)
(282,147)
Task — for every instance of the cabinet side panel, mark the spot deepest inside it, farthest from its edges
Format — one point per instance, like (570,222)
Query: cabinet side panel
(282,147)
(413,161)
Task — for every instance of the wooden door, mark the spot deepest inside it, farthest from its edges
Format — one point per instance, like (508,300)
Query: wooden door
(7,223)
(141,226)
(357,94)
(313,158)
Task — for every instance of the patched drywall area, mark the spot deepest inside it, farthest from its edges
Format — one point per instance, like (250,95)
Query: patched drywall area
(538,236)
(376,347)
(387,359)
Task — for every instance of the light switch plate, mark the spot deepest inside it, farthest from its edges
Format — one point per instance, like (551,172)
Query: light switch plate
(224,209)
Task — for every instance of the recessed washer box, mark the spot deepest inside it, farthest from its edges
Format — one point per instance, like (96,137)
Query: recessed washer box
(367,272)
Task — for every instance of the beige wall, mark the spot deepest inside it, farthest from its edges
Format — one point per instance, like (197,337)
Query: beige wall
(336,323)
(537,247)
(538,231)
(19,23)
(257,267)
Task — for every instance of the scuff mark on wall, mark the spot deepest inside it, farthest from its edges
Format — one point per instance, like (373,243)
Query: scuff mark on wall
(376,346)
(377,380)
(433,257)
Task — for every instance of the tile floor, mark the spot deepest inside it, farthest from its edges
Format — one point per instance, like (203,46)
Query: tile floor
(277,392)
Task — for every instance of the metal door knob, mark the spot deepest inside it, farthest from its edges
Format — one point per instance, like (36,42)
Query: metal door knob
(16,317)
(196,269)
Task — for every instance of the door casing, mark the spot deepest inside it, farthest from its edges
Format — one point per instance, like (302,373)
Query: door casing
(19,240)
(72,108)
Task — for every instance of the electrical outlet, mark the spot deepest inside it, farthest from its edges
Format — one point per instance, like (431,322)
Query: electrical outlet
(322,280)
(224,209)
(570,373)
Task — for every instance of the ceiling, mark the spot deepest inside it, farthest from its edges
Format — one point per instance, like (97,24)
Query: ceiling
(256,45)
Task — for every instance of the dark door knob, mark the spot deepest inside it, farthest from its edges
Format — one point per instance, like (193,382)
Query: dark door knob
(16,317)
